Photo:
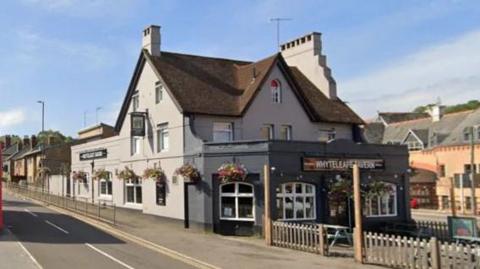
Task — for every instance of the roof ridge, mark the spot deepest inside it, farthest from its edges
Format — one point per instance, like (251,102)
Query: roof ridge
(205,57)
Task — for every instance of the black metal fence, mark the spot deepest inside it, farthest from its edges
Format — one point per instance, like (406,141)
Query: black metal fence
(100,210)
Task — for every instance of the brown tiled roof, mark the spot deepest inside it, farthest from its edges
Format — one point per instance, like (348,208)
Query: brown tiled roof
(205,85)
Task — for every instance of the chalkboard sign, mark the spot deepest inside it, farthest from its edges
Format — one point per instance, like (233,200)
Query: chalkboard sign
(462,227)
(161,191)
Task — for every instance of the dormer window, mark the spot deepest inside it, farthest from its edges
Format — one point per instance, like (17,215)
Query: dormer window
(466,134)
(478,132)
(276,89)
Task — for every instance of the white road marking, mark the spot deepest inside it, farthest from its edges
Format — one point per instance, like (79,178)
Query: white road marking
(28,253)
(31,213)
(55,226)
(109,256)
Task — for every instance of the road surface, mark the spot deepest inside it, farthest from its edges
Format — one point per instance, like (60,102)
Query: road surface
(58,241)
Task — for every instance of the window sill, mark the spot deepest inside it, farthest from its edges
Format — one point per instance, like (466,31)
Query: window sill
(382,216)
(133,205)
(238,219)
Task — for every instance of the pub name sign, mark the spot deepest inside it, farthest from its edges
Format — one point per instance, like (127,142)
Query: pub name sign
(332,164)
(94,154)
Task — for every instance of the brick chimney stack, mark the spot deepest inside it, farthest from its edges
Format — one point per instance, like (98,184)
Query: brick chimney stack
(26,142)
(8,141)
(33,140)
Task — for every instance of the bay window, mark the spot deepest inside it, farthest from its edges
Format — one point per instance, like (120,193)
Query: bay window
(296,201)
(237,201)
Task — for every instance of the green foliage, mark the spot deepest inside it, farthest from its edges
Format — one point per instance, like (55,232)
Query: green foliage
(470,105)
(42,137)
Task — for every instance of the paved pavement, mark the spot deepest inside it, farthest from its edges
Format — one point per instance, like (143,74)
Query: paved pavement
(59,241)
(13,254)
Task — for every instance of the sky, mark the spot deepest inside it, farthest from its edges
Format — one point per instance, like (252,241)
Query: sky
(79,55)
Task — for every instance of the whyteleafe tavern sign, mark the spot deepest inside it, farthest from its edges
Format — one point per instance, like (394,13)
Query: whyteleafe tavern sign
(329,164)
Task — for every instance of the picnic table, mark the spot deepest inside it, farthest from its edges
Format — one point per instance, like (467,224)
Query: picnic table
(336,232)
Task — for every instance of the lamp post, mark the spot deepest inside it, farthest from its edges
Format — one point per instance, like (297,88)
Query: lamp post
(43,114)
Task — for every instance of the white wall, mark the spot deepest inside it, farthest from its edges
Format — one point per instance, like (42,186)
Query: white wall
(119,152)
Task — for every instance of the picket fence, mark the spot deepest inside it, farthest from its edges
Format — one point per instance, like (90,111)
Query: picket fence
(305,237)
(415,253)
(438,229)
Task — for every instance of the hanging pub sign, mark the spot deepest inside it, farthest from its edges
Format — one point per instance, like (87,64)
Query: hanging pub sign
(340,164)
(137,124)
(93,154)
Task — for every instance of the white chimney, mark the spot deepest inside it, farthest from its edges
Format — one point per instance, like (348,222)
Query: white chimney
(305,53)
(151,40)
(436,112)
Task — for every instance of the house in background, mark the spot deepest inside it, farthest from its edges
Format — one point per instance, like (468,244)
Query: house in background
(438,144)
(282,111)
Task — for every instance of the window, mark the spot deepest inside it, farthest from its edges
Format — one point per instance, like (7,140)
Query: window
(133,191)
(135,103)
(162,138)
(414,145)
(466,133)
(135,147)
(382,206)
(478,132)
(468,169)
(236,201)
(296,201)
(445,202)
(160,192)
(267,132)
(286,132)
(105,186)
(442,171)
(158,92)
(222,131)
(276,89)
(327,135)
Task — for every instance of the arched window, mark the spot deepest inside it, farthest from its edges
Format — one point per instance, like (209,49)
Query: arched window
(382,205)
(296,201)
(276,89)
(237,201)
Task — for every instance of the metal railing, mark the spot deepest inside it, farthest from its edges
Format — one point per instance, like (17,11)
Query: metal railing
(99,210)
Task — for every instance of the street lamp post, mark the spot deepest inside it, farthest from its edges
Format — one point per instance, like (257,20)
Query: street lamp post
(43,145)
(43,114)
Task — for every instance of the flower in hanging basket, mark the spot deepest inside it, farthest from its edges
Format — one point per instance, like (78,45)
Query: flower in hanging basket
(232,172)
(188,172)
(154,173)
(79,176)
(101,174)
(127,174)
(377,188)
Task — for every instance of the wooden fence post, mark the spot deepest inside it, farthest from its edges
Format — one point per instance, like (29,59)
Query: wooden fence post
(357,231)
(435,253)
(321,240)
(267,218)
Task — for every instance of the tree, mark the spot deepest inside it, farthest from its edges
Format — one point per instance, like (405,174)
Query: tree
(42,137)
(470,105)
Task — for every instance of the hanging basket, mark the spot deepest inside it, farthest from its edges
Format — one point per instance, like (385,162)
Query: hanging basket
(156,174)
(127,174)
(189,173)
(231,172)
(79,176)
(101,174)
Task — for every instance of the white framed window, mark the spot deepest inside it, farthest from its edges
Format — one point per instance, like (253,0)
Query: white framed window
(286,132)
(83,187)
(276,89)
(158,92)
(222,131)
(237,201)
(296,201)
(105,186)
(136,145)
(133,191)
(414,145)
(135,103)
(267,132)
(384,205)
(162,137)
(327,135)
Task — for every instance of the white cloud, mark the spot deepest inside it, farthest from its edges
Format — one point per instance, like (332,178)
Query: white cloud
(11,117)
(450,70)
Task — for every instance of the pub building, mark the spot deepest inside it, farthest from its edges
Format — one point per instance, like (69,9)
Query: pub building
(194,134)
